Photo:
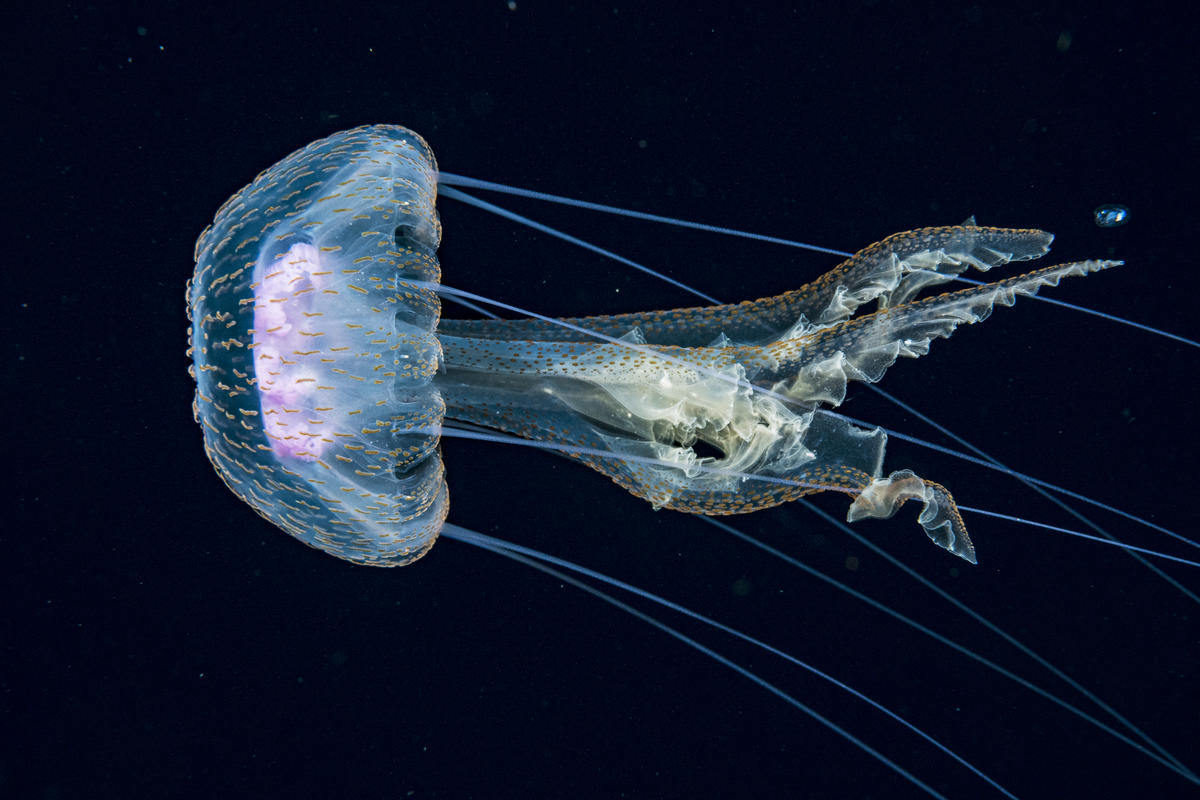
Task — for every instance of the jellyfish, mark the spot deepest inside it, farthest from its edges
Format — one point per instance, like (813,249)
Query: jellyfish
(326,374)
(325,371)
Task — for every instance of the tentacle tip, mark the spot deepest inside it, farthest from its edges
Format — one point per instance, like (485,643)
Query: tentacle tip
(939,517)
(944,524)
(955,539)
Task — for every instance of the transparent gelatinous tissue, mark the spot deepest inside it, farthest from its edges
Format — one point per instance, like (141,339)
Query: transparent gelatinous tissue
(324,371)
(1111,215)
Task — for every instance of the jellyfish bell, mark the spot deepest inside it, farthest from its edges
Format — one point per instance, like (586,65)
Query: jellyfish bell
(313,366)
(325,373)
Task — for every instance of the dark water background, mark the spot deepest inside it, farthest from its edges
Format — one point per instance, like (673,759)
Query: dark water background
(161,640)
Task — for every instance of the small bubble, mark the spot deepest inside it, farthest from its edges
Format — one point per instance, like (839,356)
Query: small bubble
(1111,215)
